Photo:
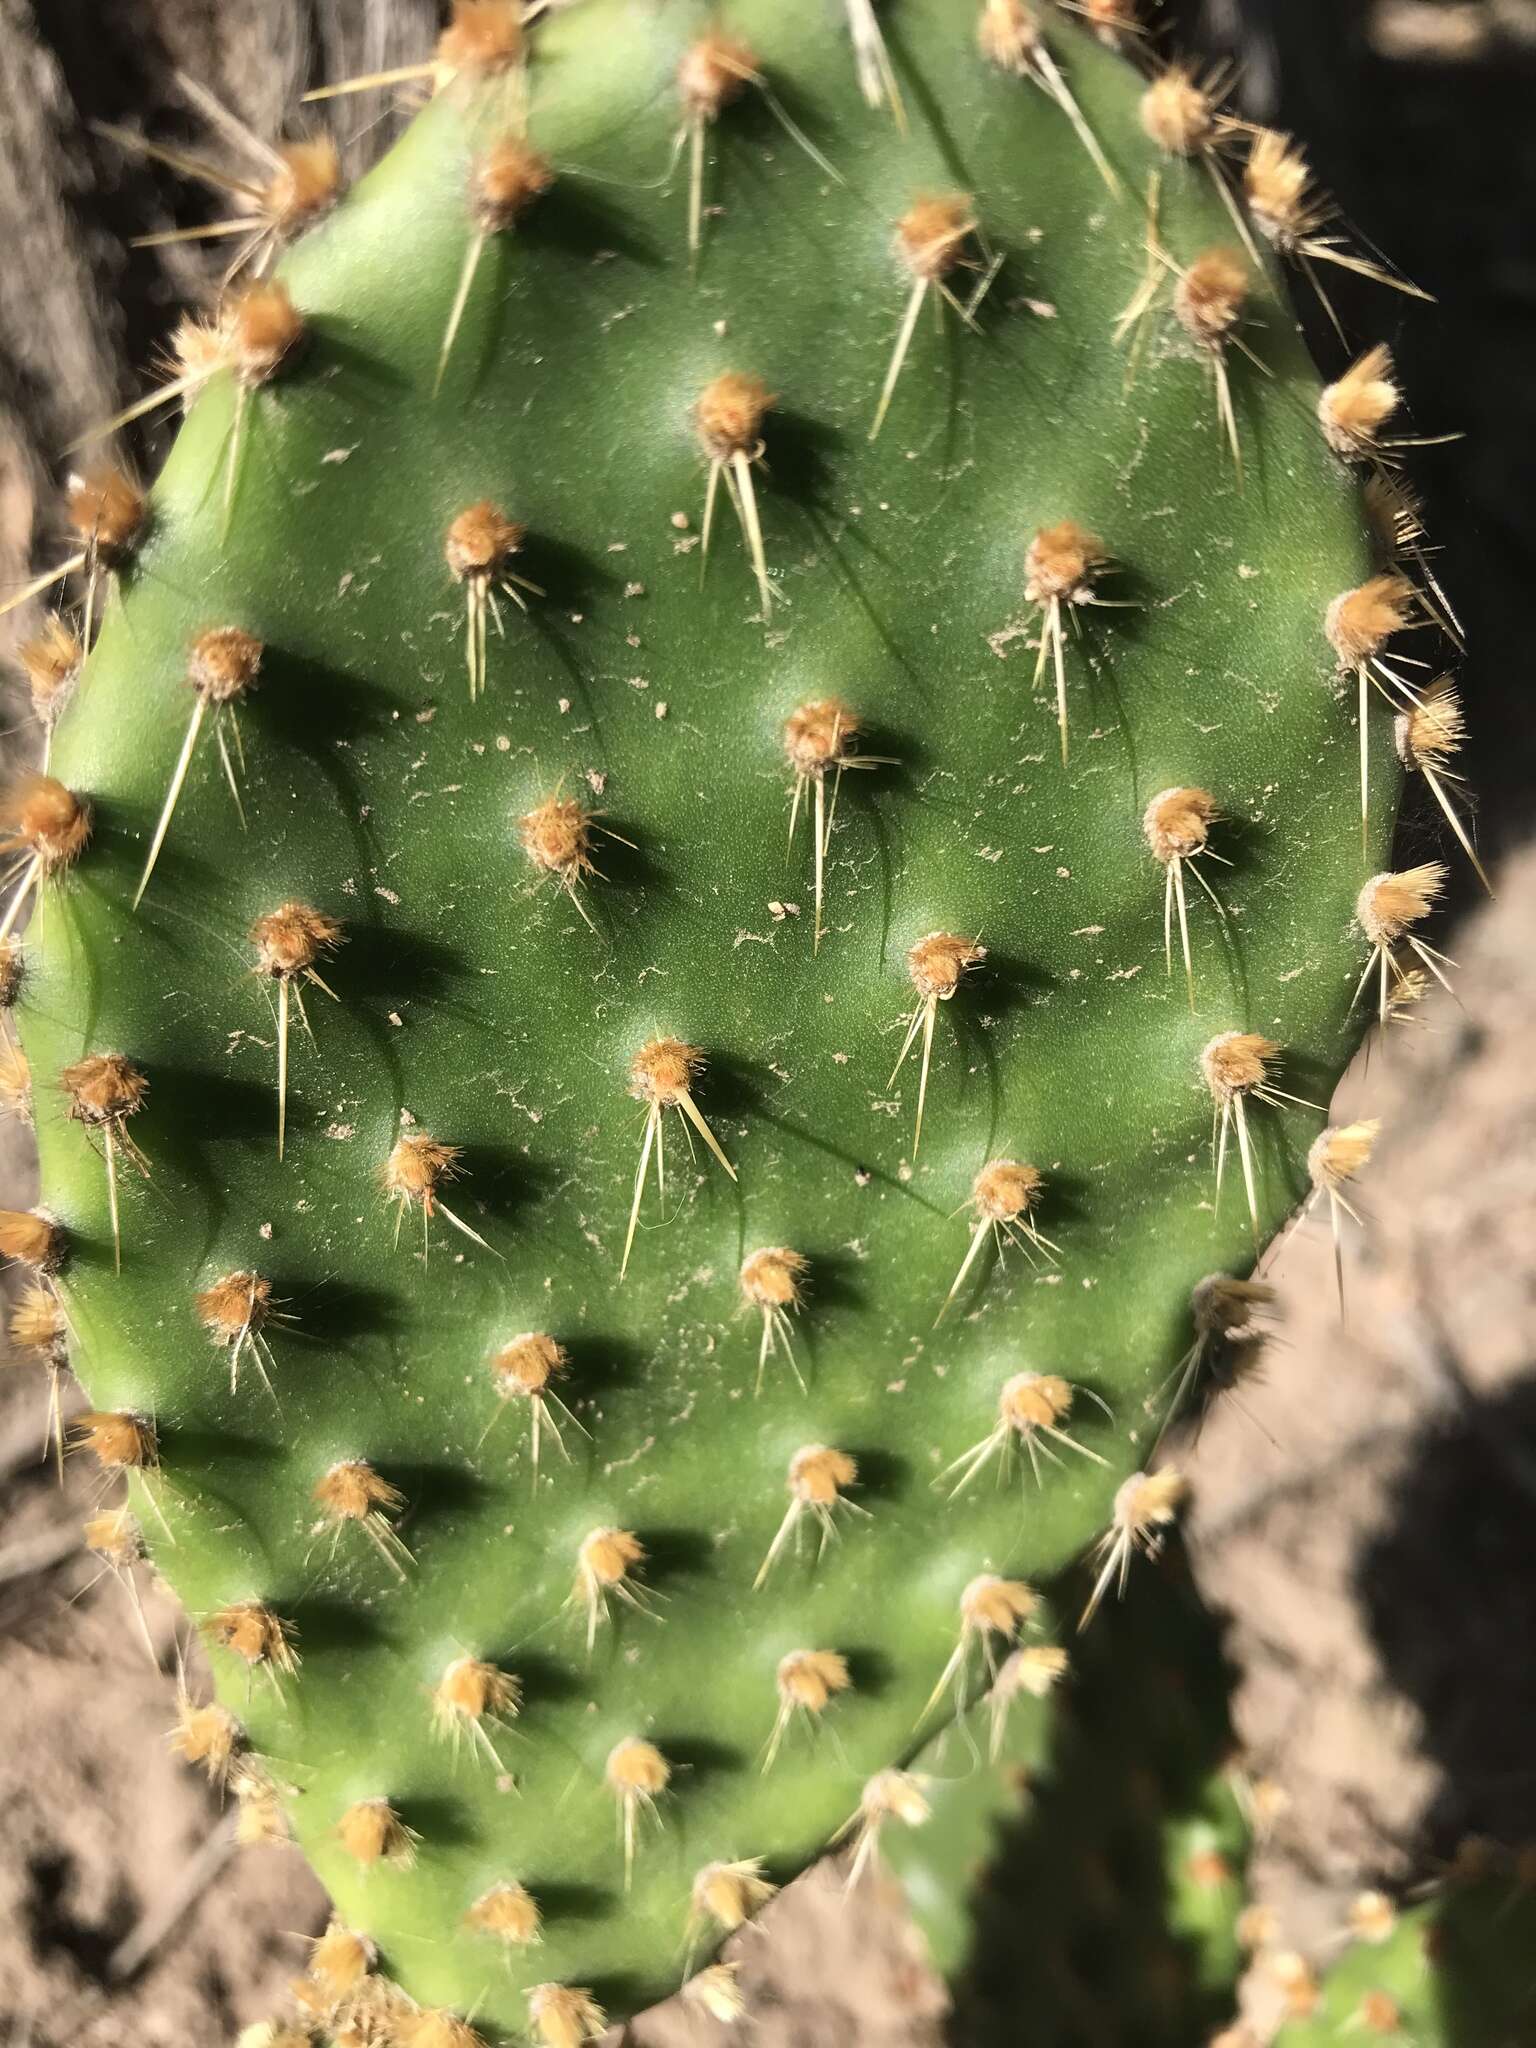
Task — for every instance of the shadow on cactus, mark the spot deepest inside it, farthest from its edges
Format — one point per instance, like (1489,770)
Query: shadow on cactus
(725,739)
(1083,1856)
(1074,1849)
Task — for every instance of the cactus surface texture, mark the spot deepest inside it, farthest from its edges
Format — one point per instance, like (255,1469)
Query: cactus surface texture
(543,1570)
(1451,1971)
(1090,1838)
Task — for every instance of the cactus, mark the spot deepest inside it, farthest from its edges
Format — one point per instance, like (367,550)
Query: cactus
(1074,1845)
(1109,1844)
(569,1376)
(1452,1969)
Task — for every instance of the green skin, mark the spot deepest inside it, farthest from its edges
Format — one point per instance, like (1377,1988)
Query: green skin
(1457,1969)
(1108,1845)
(478,1000)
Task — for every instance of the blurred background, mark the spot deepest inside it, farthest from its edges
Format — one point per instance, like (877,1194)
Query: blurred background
(1363,1520)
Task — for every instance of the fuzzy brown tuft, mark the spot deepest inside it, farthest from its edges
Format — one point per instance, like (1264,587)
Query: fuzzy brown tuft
(50,661)
(107,509)
(1062,562)
(1008,36)
(1389,905)
(931,235)
(773,1277)
(103,1088)
(1237,1062)
(481,541)
(13,969)
(1277,183)
(1222,1305)
(606,1557)
(505,182)
(820,1475)
(33,1239)
(508,1912)
(1359,623)
(820,734)
(234,1306)
(471,1689)
(372,1832)
(292,938)
(418,1166)
(527,1364)
(38,1325)
(1035,1400)
(714,71)
(729,415)
(307,185)
(1149,1501)
(730,1893)
(557,838)
(940,961)
(1353,410)
(207,1736)
(664,1070)
(1005,1190)
(1178,114)
(990,1605)
(564,2015)
(484,35)
(118,1441)
(436,2029)
(251,1631)
(223,663)
(635,1766)
(1111,21)
(1177,823)
(811,1679)
(352,1490)
(1209,299)
(262,330)
(1341,1152)
(43,818)
(1432,731)
(15,1081)
(114,1536)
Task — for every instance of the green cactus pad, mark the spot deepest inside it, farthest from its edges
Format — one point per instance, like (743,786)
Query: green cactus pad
(1094,1828)
(1452,1971)
(497,1006)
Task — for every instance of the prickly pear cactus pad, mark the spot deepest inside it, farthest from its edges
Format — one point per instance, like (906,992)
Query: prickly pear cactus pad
(558,1529)
(1109,1836)
(1453,1969)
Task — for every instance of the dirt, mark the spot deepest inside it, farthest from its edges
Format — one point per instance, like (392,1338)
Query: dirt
(1365,1515)
(103,1827)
